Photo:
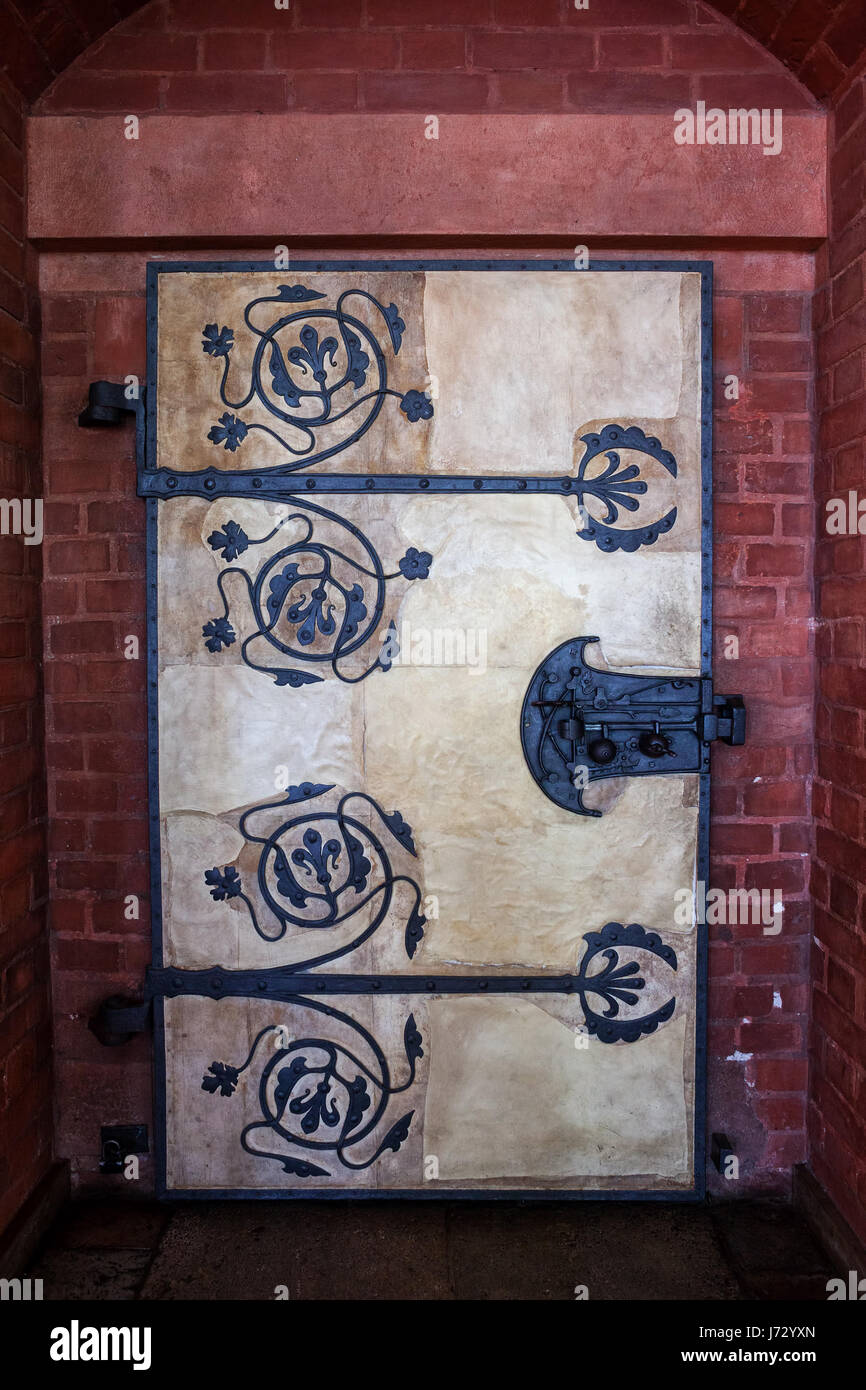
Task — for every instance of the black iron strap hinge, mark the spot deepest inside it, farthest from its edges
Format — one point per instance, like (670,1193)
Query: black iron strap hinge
(119,1019)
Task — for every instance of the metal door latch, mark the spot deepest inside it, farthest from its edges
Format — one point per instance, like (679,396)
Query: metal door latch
(580,724)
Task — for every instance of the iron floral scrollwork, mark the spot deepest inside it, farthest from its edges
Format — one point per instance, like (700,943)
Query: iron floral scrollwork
(317,881)
(619,982)
(314,377)
(312,1086)
(308,600)
(619,487)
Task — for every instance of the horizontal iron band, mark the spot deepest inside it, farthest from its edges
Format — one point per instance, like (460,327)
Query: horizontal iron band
(217,983)
(213,482)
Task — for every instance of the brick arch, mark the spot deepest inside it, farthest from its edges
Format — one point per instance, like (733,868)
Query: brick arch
(821,41)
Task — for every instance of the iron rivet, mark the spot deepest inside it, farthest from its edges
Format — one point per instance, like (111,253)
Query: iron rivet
(210,484)
(257,482)
(311,483)
(172,482)
(424,482)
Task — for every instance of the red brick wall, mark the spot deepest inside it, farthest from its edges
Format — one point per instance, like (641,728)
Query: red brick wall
(175,58)
(837,1102)
(820,41)
(25,1008)
(93,598)
(760,836)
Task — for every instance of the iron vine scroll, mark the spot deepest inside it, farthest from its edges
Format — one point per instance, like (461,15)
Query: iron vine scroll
(329,877)
(326,370)
(315,615)
(336,1101)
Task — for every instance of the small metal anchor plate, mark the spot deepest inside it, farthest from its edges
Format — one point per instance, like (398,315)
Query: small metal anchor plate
(580,724)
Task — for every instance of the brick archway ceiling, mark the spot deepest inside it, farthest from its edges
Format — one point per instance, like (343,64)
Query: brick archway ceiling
(821,41)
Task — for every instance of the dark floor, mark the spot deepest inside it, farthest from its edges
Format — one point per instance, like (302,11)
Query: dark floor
(390,1251)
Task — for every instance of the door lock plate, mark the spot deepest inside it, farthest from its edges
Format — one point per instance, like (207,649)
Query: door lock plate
(580,724)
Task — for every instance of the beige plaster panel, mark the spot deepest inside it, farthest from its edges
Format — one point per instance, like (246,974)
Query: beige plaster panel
(514,567)
(230,737)
(439,743)
(524,361)
(510,1096)
(518,880)
(494,349)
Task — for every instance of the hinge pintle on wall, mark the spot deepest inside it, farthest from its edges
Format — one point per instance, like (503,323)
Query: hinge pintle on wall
(117,1020)
(108,404)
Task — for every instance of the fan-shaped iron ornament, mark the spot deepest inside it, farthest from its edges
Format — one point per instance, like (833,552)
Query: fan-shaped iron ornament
(619,487)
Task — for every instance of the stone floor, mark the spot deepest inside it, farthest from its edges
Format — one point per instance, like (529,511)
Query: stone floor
(424,1250)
